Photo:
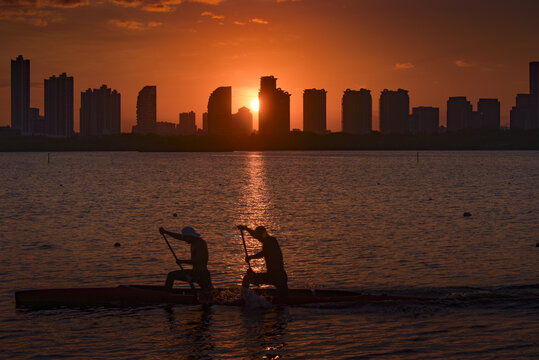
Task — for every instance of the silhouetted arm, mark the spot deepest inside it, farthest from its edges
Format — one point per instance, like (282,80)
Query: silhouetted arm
(187,239)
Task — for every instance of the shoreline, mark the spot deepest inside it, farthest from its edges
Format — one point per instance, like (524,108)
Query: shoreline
(464,140)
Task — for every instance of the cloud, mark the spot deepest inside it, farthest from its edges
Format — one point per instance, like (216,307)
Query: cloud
(239,23)
(133,24)
(40,4)
(259,21)
(463,63)
(34,17)
(127,3)
(38,13)
(159,5)
(212,15)
(404,66)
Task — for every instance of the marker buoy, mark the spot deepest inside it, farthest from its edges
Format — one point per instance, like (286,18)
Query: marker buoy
(467,214)
(175,215)
(117,244)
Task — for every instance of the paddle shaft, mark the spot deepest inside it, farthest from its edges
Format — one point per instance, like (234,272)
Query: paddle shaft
(245,248)
(178,262)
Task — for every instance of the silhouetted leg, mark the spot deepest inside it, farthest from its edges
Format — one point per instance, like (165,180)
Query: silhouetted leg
(177,275)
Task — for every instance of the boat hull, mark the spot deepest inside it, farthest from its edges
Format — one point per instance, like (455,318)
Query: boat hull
(146,295)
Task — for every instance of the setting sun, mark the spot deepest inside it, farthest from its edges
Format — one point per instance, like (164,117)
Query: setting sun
(255,105)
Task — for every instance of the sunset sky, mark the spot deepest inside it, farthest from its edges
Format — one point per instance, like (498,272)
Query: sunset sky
(433,48)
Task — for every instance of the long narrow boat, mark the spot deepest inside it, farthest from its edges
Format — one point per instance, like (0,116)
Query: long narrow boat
(144,295)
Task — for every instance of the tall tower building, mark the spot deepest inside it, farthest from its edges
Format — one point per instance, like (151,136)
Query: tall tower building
(220,111)
(100,112)
(394,111)
(146,110)
(205,123)
(20,93)
(187,125)
(459,113)
(274,112)
(243,122)
(489,113)
(314,110)
(425,120)
(59,105)
(357,111)
(534,77)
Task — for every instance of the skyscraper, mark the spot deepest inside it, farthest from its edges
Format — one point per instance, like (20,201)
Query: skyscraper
(314,110)
(394,111)
(243,122)
(20,93)
(146,110)
(534,77)
(524,114)
(357,111)
(220,111)
(205,123)
(59,105)
(187,125)
(459,113)
(489,113)
(100,112)
(274,112)
(425,120)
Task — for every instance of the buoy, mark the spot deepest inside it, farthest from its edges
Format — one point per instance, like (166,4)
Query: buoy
(467,214)
(430,199)
(175,215)
(117,244)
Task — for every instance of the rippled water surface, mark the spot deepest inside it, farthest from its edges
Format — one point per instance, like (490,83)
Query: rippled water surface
(377,222)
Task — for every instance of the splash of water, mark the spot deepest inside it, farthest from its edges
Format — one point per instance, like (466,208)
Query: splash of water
(252,300)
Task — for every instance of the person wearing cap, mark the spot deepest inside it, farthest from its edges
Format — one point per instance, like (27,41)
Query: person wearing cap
(271,252)
(199,259)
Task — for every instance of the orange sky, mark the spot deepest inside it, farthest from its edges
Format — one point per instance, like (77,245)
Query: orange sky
(433,48)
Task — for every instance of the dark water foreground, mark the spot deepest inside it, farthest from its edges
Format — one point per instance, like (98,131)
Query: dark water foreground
(372,222)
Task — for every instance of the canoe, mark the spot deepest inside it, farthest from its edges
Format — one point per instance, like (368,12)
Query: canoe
(147,295)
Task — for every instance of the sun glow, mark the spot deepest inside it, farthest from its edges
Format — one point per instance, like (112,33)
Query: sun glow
(255,105)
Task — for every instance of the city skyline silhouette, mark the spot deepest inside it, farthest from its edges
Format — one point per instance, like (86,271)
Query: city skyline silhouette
(188,50)
(100,111)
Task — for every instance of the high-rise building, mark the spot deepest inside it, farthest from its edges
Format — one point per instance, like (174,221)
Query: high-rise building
(243,122)
(20,93)
(459,113)
(146,110)
(36,123)
(534,77)
(489,113)
(424,120)
(394,111)
(187,125)
(220,111)
(314,110)
(59,105)
(524,114)
(357,111)
(205,123)
(100,112)
(534,88)
(274,112)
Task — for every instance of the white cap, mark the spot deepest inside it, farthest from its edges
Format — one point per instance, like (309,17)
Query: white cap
(189,231)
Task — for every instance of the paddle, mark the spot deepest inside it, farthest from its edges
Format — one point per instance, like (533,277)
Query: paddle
(245,248)
(178,262)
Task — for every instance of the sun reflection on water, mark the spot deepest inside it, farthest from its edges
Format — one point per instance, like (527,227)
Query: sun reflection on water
(256,205)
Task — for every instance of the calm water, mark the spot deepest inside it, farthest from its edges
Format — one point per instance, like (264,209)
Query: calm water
(369,221)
